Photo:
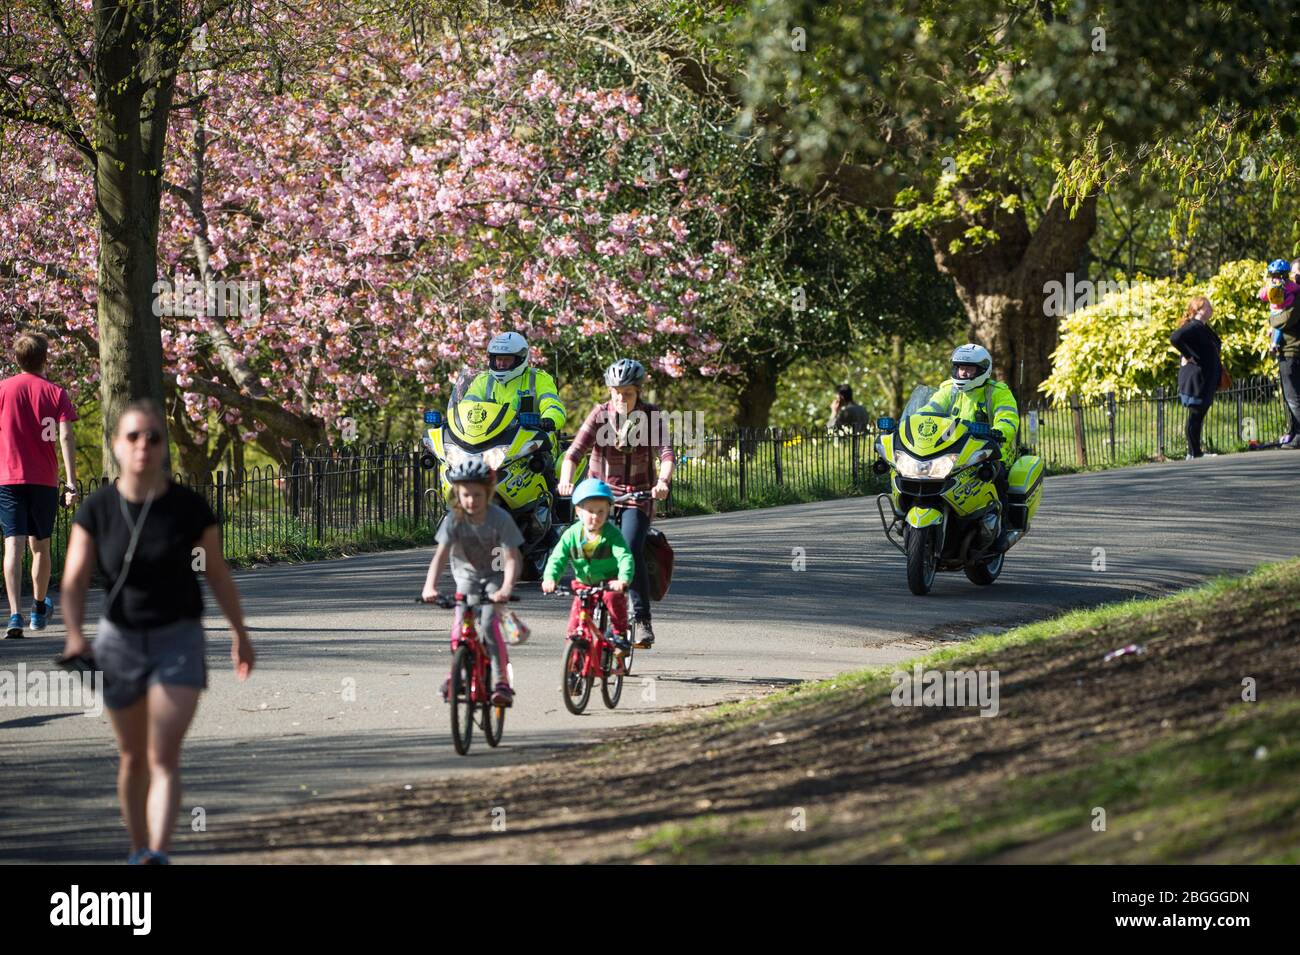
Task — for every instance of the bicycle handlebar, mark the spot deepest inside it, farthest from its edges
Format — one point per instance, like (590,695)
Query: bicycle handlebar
(624,498)
(633,496)
(447,603)
(583,592)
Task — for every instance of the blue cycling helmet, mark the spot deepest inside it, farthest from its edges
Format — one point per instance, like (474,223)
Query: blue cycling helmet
(592,487)
(1279,267)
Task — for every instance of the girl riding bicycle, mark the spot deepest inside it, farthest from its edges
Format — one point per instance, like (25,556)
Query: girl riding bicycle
(478,538)
(599,553)
(626,440)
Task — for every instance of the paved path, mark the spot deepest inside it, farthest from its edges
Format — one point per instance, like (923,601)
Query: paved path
(740,621)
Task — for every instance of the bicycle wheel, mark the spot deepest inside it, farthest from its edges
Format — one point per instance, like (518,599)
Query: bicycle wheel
(462,707)
(494,717)
(575,686)
(631,647)
(494,723)
(611,683)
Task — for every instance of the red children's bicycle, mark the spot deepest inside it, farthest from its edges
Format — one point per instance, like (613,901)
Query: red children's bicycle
(591,654)
(469,688)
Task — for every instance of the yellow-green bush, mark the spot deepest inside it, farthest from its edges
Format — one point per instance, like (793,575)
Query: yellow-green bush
(1121,343)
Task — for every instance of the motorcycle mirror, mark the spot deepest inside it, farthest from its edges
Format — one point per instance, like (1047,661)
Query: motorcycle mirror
(433,419)
(879,466)
(886,424)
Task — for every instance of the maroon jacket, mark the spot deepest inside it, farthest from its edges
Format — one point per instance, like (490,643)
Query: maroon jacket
(623,451)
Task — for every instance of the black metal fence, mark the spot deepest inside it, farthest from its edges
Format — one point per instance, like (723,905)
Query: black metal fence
(349,496)
(1107,431)
(354,496)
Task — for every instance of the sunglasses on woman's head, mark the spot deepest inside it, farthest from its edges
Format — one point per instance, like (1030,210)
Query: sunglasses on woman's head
(151,436)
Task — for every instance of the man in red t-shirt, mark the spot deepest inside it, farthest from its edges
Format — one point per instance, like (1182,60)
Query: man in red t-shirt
(34,413)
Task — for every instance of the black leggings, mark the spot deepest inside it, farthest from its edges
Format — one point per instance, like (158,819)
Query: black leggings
(1195,421)
(1290,370)
(635,524)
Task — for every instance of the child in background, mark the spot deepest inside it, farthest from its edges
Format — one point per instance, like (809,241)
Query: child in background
(1280,292)
(473,536)
(599,553)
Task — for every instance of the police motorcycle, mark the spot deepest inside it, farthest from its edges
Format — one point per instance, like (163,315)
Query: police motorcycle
(942,510)
(513,441)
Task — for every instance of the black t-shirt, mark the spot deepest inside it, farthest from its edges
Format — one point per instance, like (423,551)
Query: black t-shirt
(162,586)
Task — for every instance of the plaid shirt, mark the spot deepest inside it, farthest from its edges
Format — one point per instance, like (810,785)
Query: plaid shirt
(625,463)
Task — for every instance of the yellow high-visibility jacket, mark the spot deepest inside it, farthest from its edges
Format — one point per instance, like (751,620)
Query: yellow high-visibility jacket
(539,384)
(992,403)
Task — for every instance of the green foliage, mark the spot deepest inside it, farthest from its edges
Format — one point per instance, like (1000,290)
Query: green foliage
(1140,230)
(880,375)
(1002,88)
(1121,343)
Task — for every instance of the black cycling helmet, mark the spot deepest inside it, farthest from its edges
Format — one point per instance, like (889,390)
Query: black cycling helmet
(625,371)
(473,470)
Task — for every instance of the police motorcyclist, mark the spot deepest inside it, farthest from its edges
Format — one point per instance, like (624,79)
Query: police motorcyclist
(973,395)
(510,376)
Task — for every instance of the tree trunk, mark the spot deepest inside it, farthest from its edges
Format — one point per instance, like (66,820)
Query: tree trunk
(236,454)
(1002,284)
(897,383)
(1005,286)
(134,79)
(757,394)
(192,446)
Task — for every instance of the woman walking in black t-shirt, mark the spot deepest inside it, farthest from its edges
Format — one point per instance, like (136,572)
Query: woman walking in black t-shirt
(149,537)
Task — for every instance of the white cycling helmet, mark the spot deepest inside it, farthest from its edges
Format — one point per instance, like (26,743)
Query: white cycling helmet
(513,345)
(976,355)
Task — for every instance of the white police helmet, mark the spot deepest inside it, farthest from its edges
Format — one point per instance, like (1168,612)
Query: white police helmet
(975,355)
(513,345)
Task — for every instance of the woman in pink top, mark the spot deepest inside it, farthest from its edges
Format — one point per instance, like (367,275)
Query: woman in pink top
(628,442)
(34,414)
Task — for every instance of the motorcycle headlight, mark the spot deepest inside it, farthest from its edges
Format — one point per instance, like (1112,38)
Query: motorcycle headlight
(453,454)
(495,457)
(933,468)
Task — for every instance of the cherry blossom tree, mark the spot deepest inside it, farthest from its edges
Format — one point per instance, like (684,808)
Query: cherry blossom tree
(349,238)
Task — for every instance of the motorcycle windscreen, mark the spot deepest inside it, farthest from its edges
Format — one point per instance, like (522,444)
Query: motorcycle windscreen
(919,398)
(486,390)
(462,387)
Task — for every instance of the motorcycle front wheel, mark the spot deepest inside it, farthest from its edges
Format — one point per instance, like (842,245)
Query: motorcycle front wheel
(922,560)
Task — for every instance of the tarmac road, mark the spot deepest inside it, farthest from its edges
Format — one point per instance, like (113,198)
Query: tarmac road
(740,620)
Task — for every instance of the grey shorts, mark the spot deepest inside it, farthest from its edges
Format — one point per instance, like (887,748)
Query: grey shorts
(133,660)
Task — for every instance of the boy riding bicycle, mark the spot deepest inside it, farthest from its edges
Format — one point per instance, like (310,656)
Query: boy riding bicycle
(599,553)
(478,537)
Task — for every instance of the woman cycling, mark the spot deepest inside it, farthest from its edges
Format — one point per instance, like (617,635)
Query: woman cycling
(625,438)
